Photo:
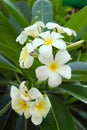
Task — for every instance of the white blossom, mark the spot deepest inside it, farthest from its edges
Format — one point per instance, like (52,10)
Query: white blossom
(33,30)
(26,59)
(48,40)
(54,69)
(22,99)
(40,109)
(60,29)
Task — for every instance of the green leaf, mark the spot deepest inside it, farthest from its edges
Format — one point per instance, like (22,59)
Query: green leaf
(42,9)
(75,23)
(8,45)
(78,91)
(16,13)
(6,64)
(59,118)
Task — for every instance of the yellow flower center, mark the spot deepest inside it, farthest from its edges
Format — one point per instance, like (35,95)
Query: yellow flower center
(40,106)
(49,42)
(53,66)
(24,105)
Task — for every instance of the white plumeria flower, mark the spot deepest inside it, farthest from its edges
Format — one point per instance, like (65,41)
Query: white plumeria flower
(22,99)
(60,29)
(40,109)
(54,69)
(33,30)
(48,40)
(26,59)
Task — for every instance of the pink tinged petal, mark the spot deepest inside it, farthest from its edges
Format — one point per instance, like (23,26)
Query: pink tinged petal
(29,61)
(45,50)
(42,73)
(54,80)
(22,37)
(51,25)
(45,35)
(55,35)
(46,60)
(62,57)
(14,92)
(36,120)
(34,93)
(60,44)
(37,42)
(65,71)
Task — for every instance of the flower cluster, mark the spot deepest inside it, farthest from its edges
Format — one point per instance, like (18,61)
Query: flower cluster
(46,42)
(30,102)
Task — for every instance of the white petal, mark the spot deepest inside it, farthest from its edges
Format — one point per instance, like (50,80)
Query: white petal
(36,120)
(29,47)
(46,60)
(60,44)
(54,80)
(55,35)
(41,24)
(37,42)
(42,73)
(45,35)
(27,114)
(62,57)
(22,37)
(51,25)
(14,92)
(16,105)
(45,50)
(29,61)
(74,33)
(22,86)
(65,71)
(34,93)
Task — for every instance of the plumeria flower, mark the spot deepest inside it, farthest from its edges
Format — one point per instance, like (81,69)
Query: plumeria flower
(33,30)
(26,59)
(40,109)
(22,99)
(48,40)
(60,29)
(54,69)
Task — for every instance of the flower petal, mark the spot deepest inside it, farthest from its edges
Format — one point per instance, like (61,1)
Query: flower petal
(42,73)
(60,44)
(45,35)
(34,93)
(62,57)
(55,35)
(22,86)
(54,80)
(46,60)
(27,114)
(51,25)
(14,92)
(16,105)
(22,37)
(65,71)
(36,120)
(45,50)
(37,42)
(29,61)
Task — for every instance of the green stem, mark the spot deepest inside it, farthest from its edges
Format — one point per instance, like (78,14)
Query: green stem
(75,45)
